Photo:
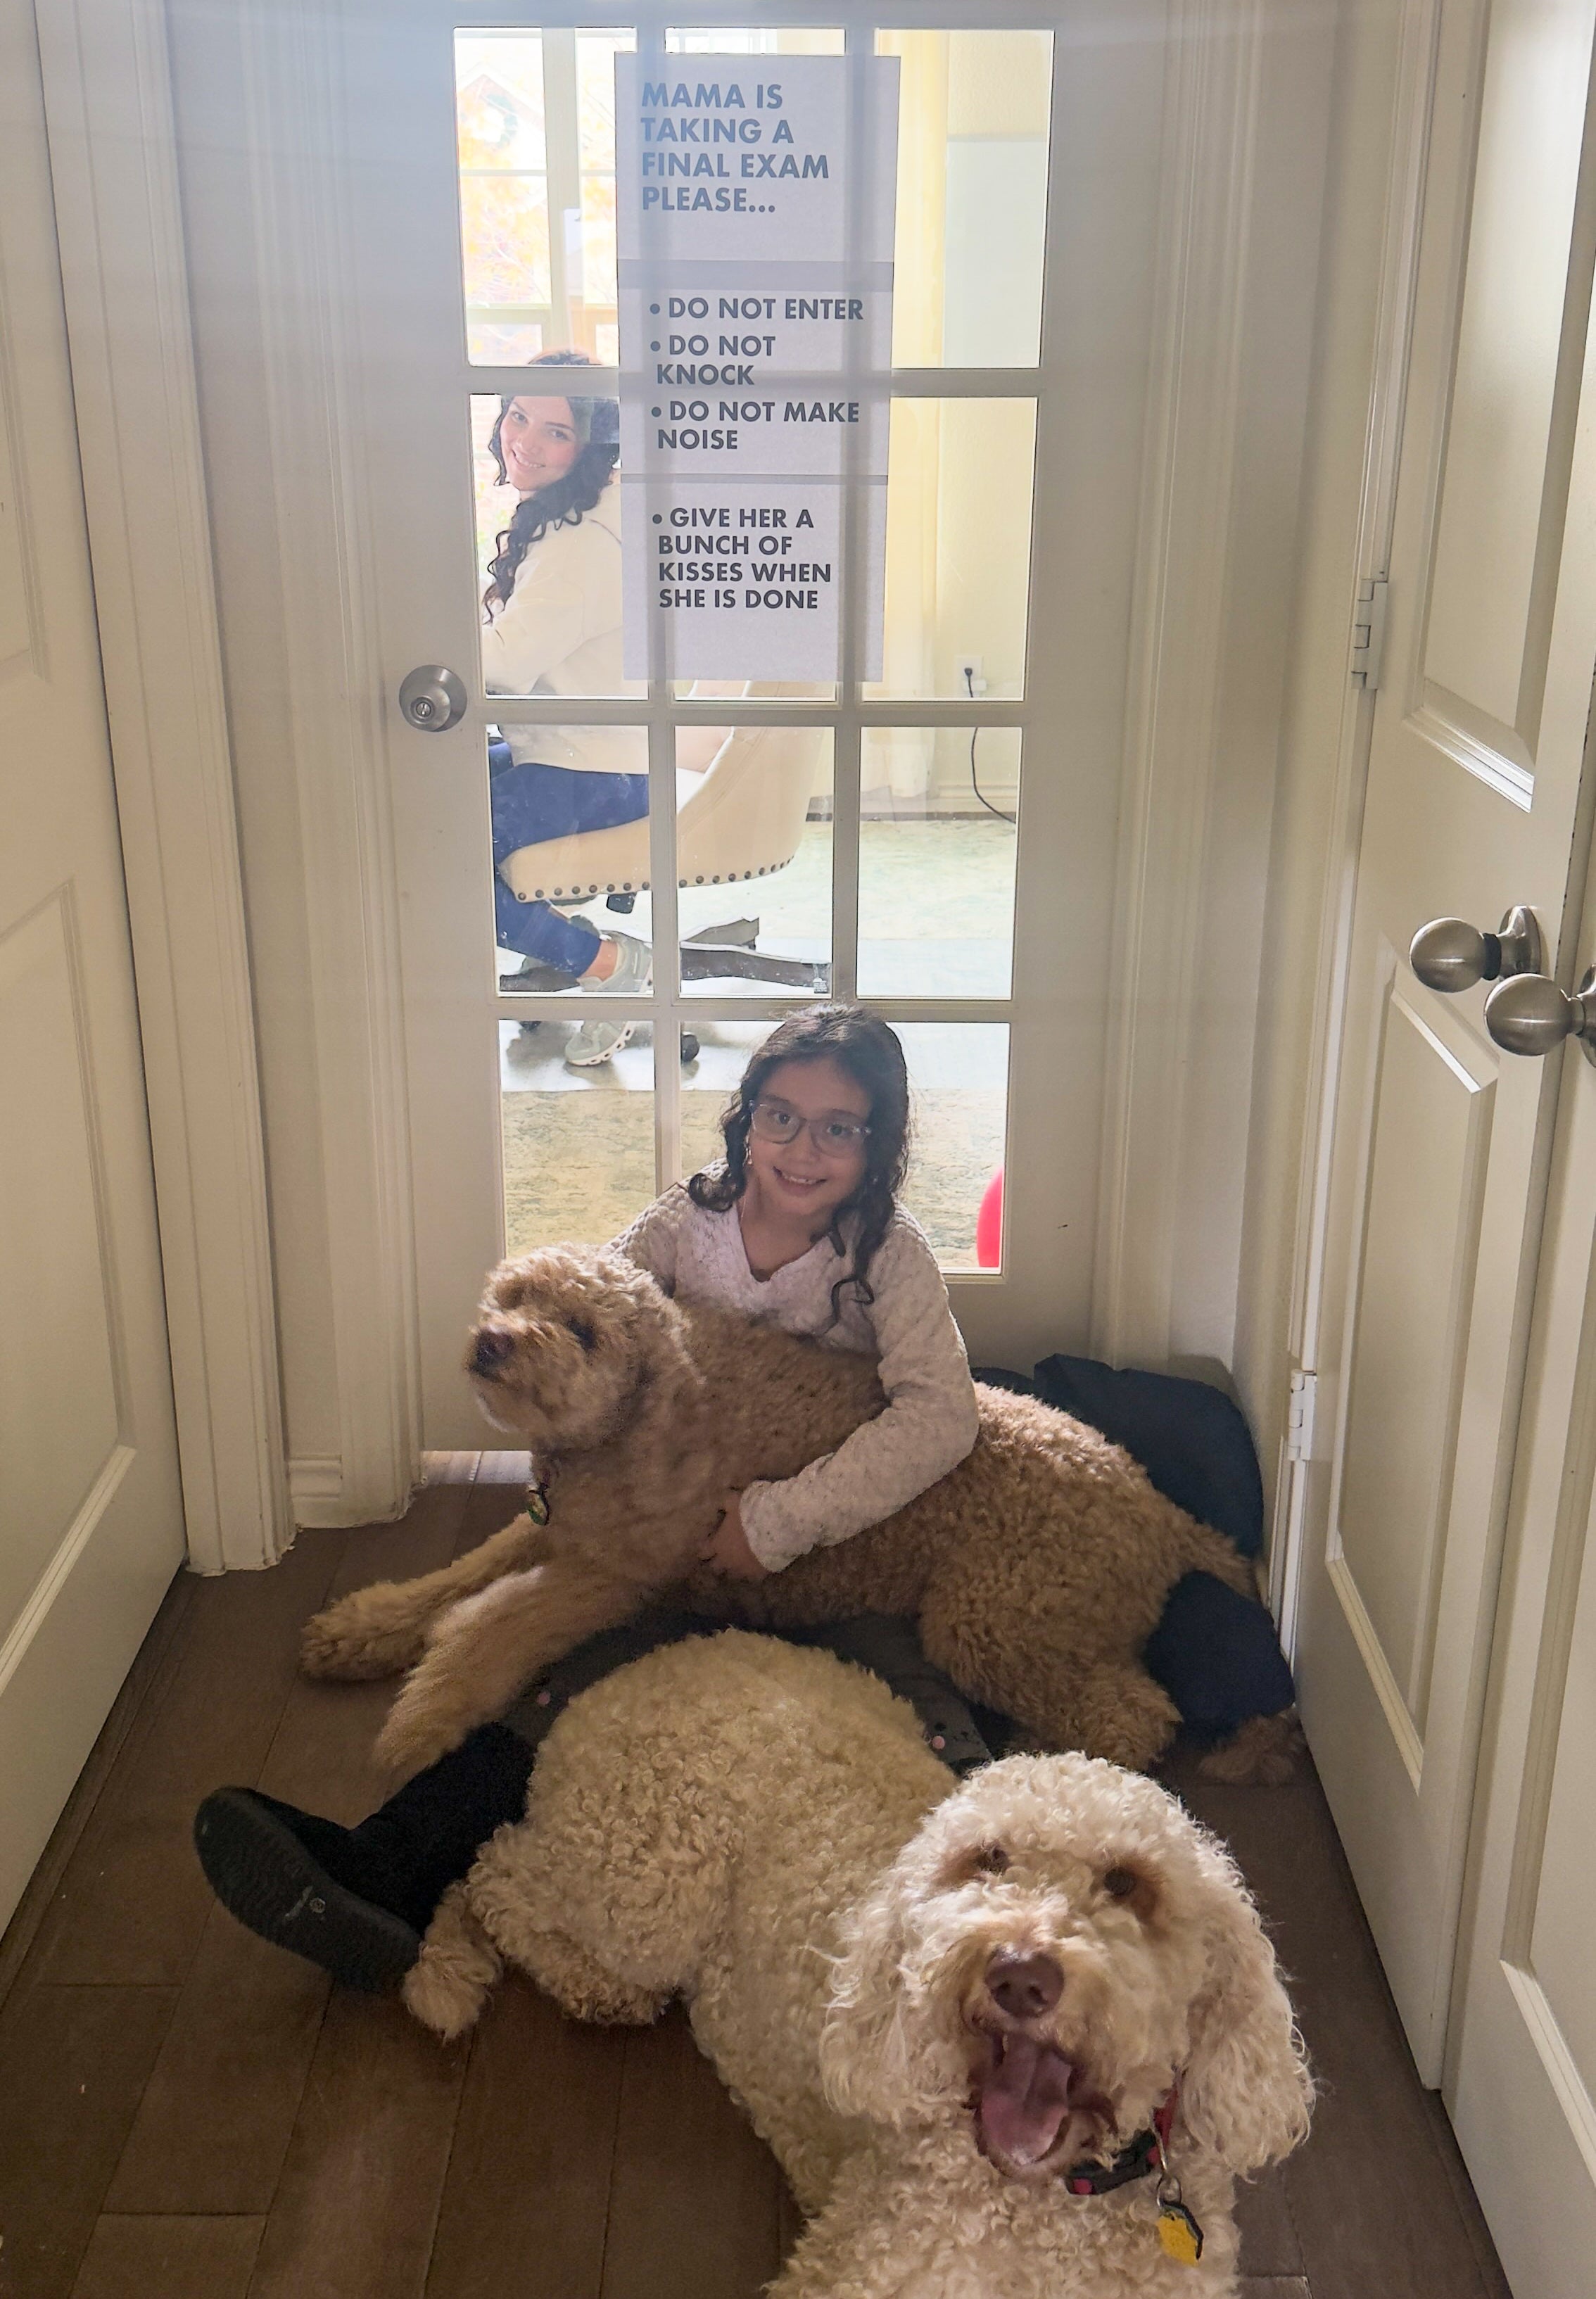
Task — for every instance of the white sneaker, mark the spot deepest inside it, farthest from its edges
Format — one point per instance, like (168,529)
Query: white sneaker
(597,1042)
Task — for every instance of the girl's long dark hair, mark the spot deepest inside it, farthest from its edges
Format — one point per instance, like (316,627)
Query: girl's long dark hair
(559,505)
(869,1051)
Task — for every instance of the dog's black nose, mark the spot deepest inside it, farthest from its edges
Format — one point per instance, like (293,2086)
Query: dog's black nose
(492,1347)
(1023,1986)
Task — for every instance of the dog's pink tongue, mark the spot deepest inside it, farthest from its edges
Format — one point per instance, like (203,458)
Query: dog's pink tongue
(1023,2100)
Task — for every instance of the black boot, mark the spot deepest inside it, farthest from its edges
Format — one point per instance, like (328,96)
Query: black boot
(357,1900)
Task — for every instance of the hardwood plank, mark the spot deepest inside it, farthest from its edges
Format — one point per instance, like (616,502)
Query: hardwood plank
(1370,2198)
(213,2126)
(528,2194)
(212,2131)
(145,1685)
(1269,2245)
(1273,2287)
(321,1755)
(132,1903)
(695,2210)
(357,2202)
(173,2258)
(1467,2202)
(73,2062)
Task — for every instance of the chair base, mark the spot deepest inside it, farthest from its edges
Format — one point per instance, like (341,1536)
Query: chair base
(716,954)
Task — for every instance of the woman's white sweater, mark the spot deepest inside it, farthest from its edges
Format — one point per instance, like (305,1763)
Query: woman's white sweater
(559,632)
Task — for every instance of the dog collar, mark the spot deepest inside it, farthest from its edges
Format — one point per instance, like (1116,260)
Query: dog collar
(1178,2231)
(538,1500)
(1134,2161)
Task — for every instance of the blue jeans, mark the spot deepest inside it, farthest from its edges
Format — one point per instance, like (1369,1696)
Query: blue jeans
(530,802)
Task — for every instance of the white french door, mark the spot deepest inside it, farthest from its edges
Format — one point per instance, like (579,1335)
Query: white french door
(1474,807)
(952,859)
(91,1512)
(1520,2080)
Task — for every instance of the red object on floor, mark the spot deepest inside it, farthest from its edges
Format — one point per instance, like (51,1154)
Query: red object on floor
(989,1225)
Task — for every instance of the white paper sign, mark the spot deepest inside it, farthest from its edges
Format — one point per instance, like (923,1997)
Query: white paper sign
(754,238)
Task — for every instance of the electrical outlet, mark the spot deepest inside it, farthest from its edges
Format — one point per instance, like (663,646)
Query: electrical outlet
(967,670)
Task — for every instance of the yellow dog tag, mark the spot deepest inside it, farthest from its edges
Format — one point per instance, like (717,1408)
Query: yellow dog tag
(1180,2234)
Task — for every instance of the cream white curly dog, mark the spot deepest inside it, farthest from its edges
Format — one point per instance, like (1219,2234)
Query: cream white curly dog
(1036,1569)
(946,2013)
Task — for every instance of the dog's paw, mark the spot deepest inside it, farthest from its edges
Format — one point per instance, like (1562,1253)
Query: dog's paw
(1262,1753)
(376,1631)
(447,1986)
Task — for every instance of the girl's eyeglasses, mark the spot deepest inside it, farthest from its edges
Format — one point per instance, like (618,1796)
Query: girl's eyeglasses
(833,1137)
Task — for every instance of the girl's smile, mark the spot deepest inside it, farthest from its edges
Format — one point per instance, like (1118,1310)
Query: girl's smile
(795,1187)
(538,442)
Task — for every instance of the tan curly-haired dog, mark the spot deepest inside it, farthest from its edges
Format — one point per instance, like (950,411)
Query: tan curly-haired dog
(944,2012)
(1036,1569)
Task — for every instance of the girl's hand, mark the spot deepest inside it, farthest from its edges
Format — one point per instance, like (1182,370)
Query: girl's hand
(726,1549)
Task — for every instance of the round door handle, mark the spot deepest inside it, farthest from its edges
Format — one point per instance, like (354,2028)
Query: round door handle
(433,697)
(1530,1014)
(1450,954)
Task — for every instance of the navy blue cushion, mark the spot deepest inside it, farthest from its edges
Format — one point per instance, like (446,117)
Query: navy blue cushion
(1192,1440)
(1215,1651)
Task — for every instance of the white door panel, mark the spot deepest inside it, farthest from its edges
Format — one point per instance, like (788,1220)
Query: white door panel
(1473,806)
(1521,2081)
(91,1526)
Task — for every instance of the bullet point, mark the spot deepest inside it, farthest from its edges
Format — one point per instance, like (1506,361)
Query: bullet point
(658,518)
(654,411)
(653,310)
(653,347)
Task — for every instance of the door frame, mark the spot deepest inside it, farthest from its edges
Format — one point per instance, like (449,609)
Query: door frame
(113,161)
(1315,1322)
(1217,527)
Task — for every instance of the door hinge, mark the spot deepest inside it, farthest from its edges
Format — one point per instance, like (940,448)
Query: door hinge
(1369,630)
(1300,1417)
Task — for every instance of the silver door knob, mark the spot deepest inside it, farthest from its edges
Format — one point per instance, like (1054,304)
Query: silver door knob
(433,697)
(1450,954)
(1530,1014)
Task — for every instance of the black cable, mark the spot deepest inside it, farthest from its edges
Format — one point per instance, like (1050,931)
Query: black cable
(970,681)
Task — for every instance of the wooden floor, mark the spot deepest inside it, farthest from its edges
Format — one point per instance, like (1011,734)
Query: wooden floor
(186,2113)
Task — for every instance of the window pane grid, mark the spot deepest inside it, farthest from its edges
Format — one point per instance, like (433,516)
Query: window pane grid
(848,717)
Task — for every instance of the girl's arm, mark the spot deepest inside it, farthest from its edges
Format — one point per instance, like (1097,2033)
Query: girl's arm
(929,1424)
(550,613)
(651,1240)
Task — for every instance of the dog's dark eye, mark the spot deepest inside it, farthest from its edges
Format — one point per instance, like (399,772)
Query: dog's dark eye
(583,1332)
(990,1861)
(1121,1883)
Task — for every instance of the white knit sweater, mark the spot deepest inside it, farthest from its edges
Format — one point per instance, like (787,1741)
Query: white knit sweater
(559,632)
(930,1421)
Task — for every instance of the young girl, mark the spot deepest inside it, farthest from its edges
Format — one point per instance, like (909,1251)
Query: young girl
(800,1226)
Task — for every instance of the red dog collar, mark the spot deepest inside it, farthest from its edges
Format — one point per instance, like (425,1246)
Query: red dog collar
(1143,2155)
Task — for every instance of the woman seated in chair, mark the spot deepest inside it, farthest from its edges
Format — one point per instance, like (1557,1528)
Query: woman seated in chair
(552,625)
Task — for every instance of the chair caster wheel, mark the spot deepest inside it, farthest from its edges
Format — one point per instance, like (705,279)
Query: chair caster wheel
(689,1047)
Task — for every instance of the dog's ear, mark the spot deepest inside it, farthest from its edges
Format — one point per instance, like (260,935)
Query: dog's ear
(1246,2091)
(867,2064)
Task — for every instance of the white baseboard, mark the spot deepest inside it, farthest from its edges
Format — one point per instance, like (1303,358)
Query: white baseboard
(325,1500)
